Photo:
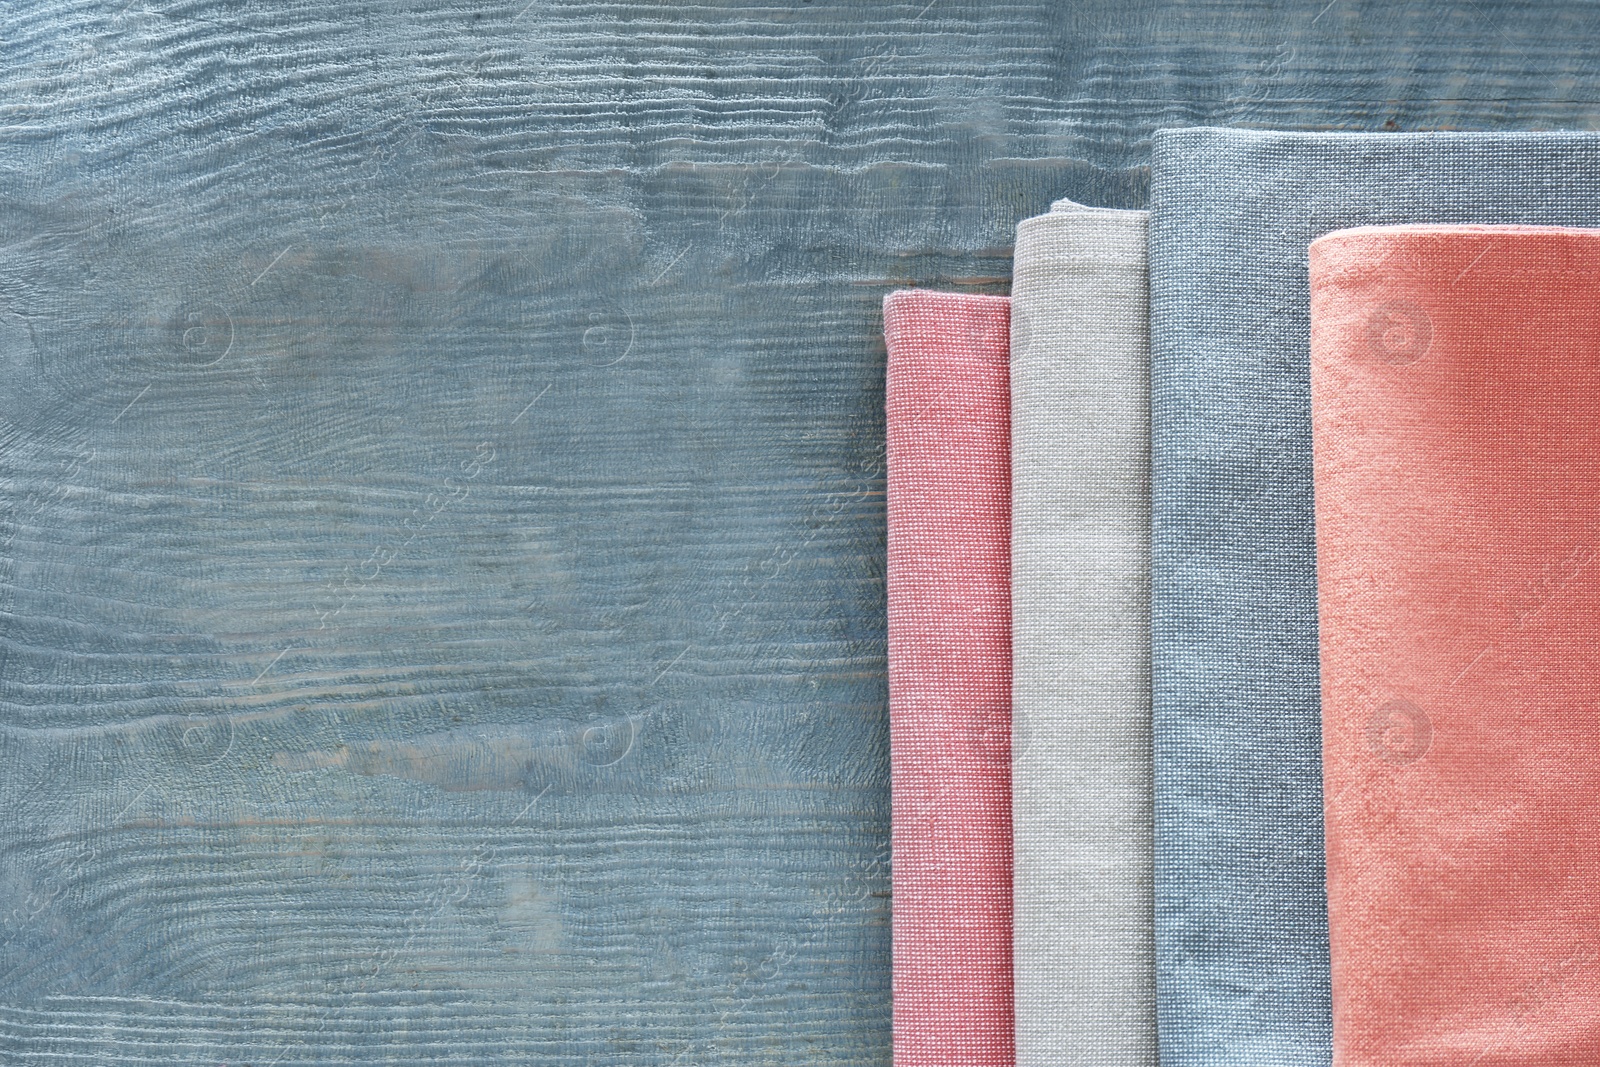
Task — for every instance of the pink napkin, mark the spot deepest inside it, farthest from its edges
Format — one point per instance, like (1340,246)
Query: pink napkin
(1456,410)
(949,589)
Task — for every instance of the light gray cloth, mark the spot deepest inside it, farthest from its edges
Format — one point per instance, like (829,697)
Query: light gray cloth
(1083,934)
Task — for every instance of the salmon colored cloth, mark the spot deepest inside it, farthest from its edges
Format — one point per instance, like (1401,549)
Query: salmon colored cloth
(1456,412)
(949,589)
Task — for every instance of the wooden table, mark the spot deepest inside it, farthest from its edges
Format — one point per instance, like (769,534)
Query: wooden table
(441,484)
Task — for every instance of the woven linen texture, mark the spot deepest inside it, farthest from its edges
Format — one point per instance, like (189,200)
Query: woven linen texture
(949,592)
(1080,536)
(1455,390)
(1241,917)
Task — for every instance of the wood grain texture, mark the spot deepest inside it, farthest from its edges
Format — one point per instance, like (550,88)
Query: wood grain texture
(354,710)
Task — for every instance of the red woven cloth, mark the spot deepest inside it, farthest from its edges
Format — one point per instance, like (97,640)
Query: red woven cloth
(1455,394)
(949,586)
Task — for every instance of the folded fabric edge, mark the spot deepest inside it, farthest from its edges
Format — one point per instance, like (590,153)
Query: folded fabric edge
(964,311)
(1097,239)
(899,296)
(1065,206)
(1447,229)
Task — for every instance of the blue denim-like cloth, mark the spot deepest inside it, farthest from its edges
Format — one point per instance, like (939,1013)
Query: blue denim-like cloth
(1241,919)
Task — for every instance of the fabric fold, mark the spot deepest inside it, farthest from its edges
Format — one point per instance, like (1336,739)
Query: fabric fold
(1084,958)
(949,593)
(1457,460)
(1241,913)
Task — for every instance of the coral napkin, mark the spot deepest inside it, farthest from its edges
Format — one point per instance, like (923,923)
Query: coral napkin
(1080,551)
(1242,974)
(1455,377)
(949,590)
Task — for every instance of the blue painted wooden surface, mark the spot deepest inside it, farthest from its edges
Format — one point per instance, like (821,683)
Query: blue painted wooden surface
(441,556)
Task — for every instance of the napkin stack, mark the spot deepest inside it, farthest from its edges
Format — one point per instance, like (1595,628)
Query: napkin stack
(1302,616)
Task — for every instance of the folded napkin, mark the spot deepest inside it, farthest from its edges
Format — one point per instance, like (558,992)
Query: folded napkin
(1241,919)
(1080,544)
(949,590)
(1455,388)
